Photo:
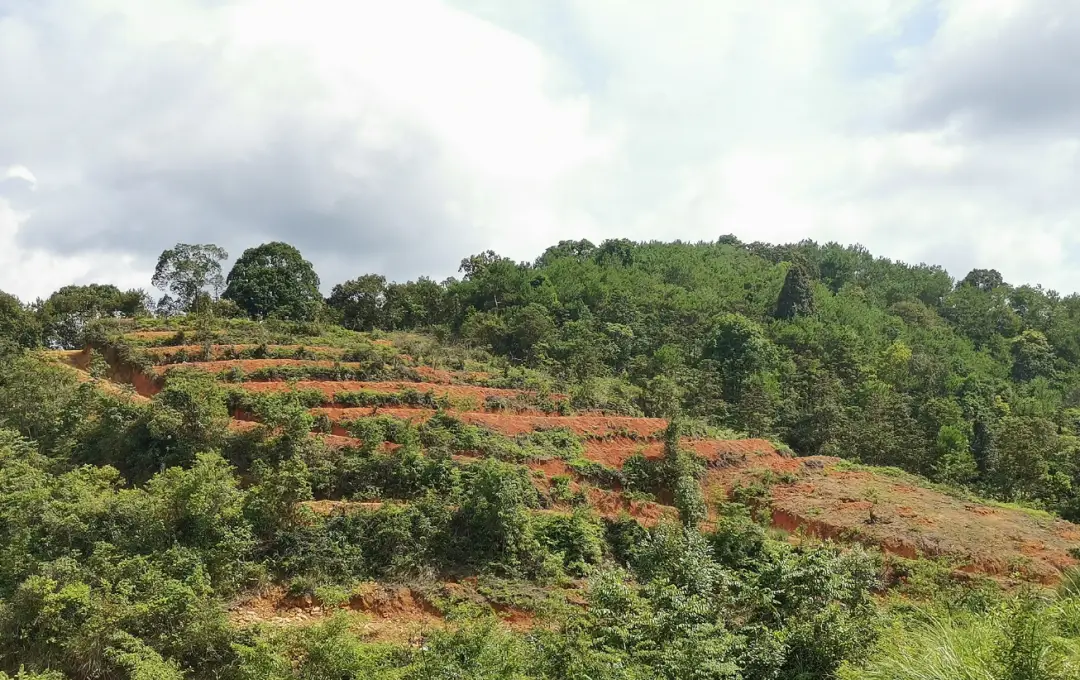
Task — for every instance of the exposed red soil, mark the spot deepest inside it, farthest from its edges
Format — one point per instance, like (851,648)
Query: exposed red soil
(242,425)
(587,425)
(339,441)
(145,386)
(613,504)
(827,502)
(515,424)
(614,452)
(339,415)
(383,613)
(554,467)
(717,449)
(435,375)
(241,420)
(809,496)
(150,335)
(79,361)
(389,613)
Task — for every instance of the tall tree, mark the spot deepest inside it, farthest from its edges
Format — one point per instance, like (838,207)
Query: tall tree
(797,296)
(274,280)
(18,326)
(985,280)
(360,301)
(188,270)
(740,348)
(1032,356)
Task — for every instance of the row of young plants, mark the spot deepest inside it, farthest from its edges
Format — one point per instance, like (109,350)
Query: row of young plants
(376,362)
(198,329)
(421,455)
(240,399)
(420,396)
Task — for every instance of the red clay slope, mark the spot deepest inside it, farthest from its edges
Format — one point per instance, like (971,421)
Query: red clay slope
(824,498)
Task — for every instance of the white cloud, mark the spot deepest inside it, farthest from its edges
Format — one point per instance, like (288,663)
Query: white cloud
(33,273)
(374,135)
(399,137)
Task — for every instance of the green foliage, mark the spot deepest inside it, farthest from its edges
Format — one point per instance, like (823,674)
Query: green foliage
(492,524)
(186,271)
(125,526)
(360,302)
(797,296)
(19,328)
(1025,637)
(274,280)
(575,539)
(41,400)
(67,313)
(187,417)
(822,347)
(1033,356)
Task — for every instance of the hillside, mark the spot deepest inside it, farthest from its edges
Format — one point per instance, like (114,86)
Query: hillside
(646,460)
(817,496)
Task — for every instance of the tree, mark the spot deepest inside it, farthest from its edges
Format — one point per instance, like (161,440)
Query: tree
(274,280)
(578,250)
(187,270)
(529,328)
(18,326)
(413,304)
(1032,357)
(981,314)
(741,349)
(1025,449)
(985,280)
(360,301)
(797,296)
(187,417)
(616,251)
(475,265)
(66,313)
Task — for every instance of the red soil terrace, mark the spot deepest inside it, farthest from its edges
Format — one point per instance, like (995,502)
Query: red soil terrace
(816,497)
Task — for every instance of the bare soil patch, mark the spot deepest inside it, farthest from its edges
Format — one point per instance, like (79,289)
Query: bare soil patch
(823,500)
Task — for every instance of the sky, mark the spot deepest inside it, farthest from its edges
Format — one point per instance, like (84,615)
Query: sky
(400,137)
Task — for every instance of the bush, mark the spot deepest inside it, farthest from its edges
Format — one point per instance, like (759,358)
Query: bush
(576,537)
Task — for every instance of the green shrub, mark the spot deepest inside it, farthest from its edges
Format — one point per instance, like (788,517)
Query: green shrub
(577,538)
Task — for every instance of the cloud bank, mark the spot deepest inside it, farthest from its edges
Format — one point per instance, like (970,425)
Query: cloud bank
(400,137)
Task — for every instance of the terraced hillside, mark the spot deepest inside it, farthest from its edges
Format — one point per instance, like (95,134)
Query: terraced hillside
(367,397)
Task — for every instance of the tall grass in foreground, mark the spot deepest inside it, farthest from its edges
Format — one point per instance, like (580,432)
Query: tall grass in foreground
(1026,638)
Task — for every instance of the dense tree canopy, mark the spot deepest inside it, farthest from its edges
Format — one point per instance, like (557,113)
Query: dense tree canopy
(66,313)
(360,302)
(187,271)
(19,327)
(274,280)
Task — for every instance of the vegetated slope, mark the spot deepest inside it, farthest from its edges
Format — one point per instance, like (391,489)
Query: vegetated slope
(818,496)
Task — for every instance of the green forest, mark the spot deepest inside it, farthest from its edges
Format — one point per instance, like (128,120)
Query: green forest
(127,527)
